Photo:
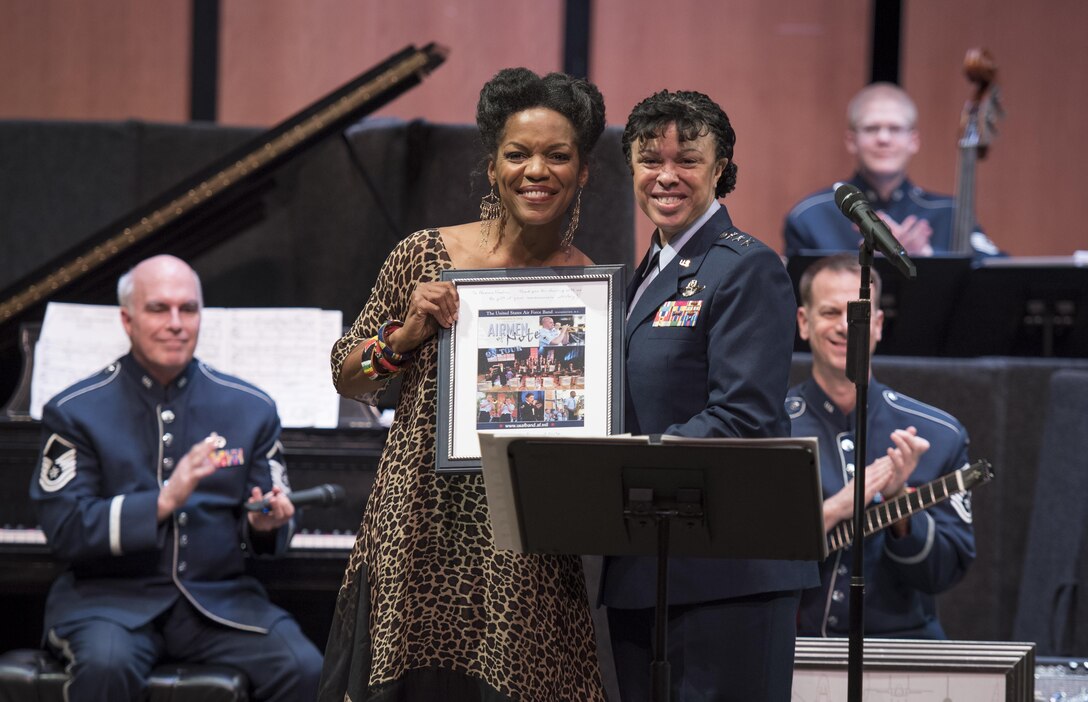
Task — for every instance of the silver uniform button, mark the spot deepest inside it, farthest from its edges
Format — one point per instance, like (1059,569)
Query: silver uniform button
(838,596)
(847,445)
(168,463)
(182,566)
(167,416)
(843,570)
(168,438)
(833,620)
(183,518)
(849,468)
(184,540)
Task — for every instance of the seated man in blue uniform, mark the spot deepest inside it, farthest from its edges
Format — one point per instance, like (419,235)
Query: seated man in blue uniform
(909,444)
(881,135)
(145,469)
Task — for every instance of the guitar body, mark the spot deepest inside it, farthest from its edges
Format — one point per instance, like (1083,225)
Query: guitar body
(902,575)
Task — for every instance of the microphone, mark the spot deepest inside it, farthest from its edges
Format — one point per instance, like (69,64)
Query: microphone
(856,208)
(321,496)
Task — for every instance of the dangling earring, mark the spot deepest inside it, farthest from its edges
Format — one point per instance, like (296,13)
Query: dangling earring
(490,209)
(490,205)
(572,226)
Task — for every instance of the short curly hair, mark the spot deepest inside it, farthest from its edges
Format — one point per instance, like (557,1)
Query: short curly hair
(513,90)
(694,115)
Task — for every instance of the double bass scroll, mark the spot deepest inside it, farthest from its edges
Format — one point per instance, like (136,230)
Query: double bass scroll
(977,127)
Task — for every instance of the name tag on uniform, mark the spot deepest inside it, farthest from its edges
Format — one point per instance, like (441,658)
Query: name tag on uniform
(228,457)
(678,313)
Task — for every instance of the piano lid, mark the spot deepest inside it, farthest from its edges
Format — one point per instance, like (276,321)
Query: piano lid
(178,219)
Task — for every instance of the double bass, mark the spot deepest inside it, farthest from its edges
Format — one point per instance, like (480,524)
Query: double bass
(977,125)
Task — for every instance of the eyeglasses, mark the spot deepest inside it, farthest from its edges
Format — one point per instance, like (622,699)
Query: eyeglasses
(894,130)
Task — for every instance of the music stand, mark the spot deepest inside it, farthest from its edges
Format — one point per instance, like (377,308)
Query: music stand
(918,313)
(1021,307)
(624,496)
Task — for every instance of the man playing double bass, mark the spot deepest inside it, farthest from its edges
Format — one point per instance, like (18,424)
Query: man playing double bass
(882,136)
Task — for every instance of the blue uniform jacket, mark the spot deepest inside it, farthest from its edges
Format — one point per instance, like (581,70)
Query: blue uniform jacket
(109,443)
(725,376)
(816,223)
(901,575)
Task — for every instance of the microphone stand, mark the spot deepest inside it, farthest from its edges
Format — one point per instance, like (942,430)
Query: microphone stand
(858,316)
(876,235)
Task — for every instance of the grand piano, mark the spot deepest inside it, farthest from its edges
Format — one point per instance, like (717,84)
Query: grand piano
(197,218)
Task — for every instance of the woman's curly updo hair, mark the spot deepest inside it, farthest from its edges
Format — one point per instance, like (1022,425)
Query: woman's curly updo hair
(694,115)
(513,90)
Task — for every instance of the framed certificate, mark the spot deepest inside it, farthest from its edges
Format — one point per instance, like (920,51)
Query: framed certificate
(537,351)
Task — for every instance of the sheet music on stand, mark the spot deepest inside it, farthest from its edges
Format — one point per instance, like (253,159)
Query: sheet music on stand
(283,351)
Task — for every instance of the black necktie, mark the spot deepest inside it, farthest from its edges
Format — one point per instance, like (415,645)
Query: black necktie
(650,265)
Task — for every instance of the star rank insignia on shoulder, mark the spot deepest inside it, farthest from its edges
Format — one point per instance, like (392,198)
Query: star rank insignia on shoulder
(734,237)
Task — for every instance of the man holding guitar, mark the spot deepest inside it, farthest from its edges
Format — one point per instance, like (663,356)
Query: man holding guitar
(910,445)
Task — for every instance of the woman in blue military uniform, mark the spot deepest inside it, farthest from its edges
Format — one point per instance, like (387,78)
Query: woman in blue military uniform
(709,340)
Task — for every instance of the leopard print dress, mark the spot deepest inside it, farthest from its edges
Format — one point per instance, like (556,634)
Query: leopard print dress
(428,608)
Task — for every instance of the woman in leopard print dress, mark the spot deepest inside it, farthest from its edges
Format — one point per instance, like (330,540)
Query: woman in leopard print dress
(429,609)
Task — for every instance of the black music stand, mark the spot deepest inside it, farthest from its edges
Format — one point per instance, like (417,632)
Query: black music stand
(684,497)
(1022,307)
(919,312)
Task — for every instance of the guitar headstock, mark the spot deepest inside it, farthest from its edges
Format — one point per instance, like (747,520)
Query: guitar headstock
(977,473)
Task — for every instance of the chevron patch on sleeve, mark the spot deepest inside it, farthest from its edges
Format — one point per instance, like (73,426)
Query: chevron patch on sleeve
(58,464)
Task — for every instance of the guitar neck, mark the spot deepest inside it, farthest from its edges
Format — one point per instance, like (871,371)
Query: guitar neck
(881,515)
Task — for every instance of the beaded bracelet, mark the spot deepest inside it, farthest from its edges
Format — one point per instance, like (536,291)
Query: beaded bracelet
(371,371)
(379,361)
(382,362)
(384,330)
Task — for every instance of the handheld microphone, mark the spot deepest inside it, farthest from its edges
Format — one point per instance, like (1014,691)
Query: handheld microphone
(857,209)
(321,496)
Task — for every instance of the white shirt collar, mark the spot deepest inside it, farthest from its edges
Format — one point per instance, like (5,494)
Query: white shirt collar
(671,249)
(669,252)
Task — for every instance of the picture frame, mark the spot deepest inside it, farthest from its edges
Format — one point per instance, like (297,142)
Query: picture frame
(537,351)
